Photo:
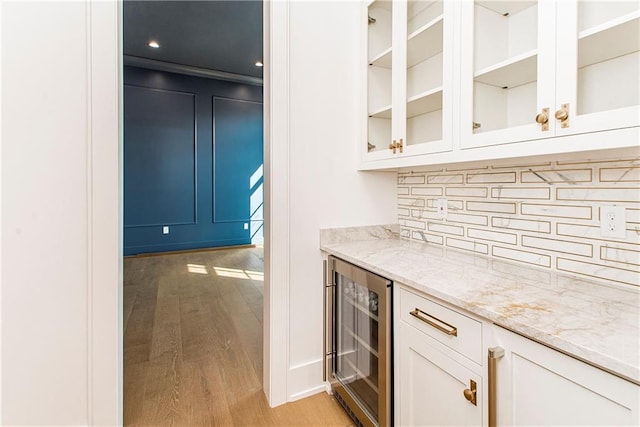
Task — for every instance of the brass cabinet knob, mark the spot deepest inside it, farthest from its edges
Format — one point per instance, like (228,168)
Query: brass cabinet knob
(393,146)
(396,145)
(543,119)
(562,114)
(471,393)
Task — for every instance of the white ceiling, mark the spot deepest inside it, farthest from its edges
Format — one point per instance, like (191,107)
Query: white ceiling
(217,35)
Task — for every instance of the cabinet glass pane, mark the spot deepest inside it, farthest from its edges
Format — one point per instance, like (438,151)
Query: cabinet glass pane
(608,55)
(379,74)
(425,25)
(357,341)
(505,71)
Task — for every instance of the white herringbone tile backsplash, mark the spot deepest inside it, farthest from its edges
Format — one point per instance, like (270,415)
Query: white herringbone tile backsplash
(543,214)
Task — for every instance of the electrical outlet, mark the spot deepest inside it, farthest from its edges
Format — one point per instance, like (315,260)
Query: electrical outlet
(246,225)
(441,205)
(613,222)
(165,229)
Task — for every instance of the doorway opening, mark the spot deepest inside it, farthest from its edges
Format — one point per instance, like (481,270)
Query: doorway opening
(193,180)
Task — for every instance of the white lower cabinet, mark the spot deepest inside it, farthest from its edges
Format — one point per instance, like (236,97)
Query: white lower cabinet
(437,381)
(536,385)
(432,385)
(445,359)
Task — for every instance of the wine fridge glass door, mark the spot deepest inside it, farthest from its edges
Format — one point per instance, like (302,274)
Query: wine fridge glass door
(357,347)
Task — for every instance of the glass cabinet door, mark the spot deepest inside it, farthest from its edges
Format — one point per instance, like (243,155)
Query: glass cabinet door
(598,65)
(508,62)
(429,74)
(379,76)
(410,75)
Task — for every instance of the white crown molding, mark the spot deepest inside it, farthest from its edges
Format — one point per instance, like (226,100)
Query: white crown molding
(153,64)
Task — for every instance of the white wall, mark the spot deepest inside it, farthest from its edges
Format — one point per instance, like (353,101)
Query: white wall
(60,228)
(60,216)
(323,124)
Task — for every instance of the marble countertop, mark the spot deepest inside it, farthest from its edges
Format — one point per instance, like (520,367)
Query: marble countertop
(593,321)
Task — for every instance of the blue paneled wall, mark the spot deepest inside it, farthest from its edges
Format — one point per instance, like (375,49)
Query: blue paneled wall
(192,162)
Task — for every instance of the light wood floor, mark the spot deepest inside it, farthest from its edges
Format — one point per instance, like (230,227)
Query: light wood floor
(193,345)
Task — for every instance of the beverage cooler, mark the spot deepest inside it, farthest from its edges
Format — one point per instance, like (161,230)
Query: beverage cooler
(358,337)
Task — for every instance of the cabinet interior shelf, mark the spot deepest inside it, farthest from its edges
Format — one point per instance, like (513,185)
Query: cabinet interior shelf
(612,39)
(515,71)
(383,59)
(424,102)
(382,113)
(425,42)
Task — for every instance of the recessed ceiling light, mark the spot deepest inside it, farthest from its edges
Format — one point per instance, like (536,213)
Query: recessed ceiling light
(259,64)
(154,44)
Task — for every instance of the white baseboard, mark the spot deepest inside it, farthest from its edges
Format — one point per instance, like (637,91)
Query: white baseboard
(306,393)
(305,380)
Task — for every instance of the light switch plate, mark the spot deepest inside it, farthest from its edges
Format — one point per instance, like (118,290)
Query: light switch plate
(165,229)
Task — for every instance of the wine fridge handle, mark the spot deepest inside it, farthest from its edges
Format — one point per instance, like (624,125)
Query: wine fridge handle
(495,353)
(329,289)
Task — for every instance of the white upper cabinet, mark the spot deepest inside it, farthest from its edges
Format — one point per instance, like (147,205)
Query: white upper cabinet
(410,76)
(379,50)
(508,75)
(598,65)
(540,69)
(455,81)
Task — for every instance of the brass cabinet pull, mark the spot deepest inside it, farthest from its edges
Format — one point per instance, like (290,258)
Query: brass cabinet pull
(495,353)
(563,115)
(400,145)
(543,119)
(417,313)
(471,393)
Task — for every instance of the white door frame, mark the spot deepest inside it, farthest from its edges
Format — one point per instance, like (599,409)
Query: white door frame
(276,160)
(104,176)
(277,233)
